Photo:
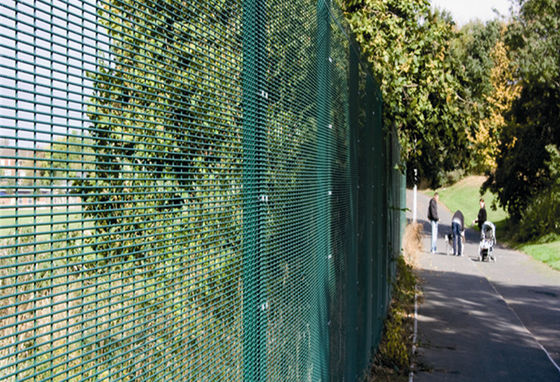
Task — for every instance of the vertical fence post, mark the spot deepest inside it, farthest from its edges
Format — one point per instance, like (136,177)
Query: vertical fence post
(254,93)
(403,201)
(324,195)
(376,128)
(350,325)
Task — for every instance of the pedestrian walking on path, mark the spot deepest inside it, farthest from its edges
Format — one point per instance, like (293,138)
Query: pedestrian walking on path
(434,218)
(458,228)
(482,216)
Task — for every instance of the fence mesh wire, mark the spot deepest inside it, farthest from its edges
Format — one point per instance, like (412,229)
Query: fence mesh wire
(197,191)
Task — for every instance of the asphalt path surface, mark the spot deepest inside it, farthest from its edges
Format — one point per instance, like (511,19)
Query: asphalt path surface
(485,321)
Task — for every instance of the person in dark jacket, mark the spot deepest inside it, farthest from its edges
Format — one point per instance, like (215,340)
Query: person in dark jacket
(481,215)
(457,227)
(433,218)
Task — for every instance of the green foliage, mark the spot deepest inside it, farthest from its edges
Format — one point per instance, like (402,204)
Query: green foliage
(542,216)
(472,47)
(66,161)
(31,274)
(408,47)
(534,41)
(165,190)
(488,88)
(520,173)
(453,177)
(532,123)
(142,113)
(395,346)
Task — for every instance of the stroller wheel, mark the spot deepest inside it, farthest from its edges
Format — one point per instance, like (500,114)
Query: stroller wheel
(484,255)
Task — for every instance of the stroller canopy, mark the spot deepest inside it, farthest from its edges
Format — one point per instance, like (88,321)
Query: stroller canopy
(488,230)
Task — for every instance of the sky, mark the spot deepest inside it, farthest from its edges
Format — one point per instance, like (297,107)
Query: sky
(464,11)
(47,49)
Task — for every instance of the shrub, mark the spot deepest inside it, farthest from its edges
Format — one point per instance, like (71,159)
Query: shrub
(542,215)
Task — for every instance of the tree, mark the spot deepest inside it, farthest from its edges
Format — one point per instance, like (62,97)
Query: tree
(532,122)
(472,47)
(541,220)
(152,122)
(489,88)
(408,48)
(165,192)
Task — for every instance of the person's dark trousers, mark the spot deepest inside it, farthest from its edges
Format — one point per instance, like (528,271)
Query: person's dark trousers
(457,242)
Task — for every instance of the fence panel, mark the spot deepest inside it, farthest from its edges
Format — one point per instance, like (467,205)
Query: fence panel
(197,191)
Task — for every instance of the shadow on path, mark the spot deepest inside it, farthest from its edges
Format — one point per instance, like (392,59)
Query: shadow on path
(485,321)
(477,338)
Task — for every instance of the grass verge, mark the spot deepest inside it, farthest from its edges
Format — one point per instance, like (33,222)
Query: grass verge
(464,195)
(548,253)
(393,358)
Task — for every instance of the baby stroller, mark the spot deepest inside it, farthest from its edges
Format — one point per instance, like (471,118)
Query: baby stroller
(487,242)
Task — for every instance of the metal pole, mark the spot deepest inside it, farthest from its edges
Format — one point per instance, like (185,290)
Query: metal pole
(415,198)
(254,98)
(320,351)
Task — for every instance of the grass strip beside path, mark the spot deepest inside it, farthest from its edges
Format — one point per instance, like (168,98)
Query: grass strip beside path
(465,194)
(548,253)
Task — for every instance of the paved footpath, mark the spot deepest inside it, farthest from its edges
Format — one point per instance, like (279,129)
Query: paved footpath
(485,321)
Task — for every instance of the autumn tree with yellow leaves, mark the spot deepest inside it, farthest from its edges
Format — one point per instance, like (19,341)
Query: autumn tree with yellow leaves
(532,130)
(505,89)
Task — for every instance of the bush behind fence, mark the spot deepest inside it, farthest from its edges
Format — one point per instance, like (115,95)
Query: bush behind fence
(191,191)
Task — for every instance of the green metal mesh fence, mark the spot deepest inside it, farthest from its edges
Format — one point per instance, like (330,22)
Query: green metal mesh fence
(197,191)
